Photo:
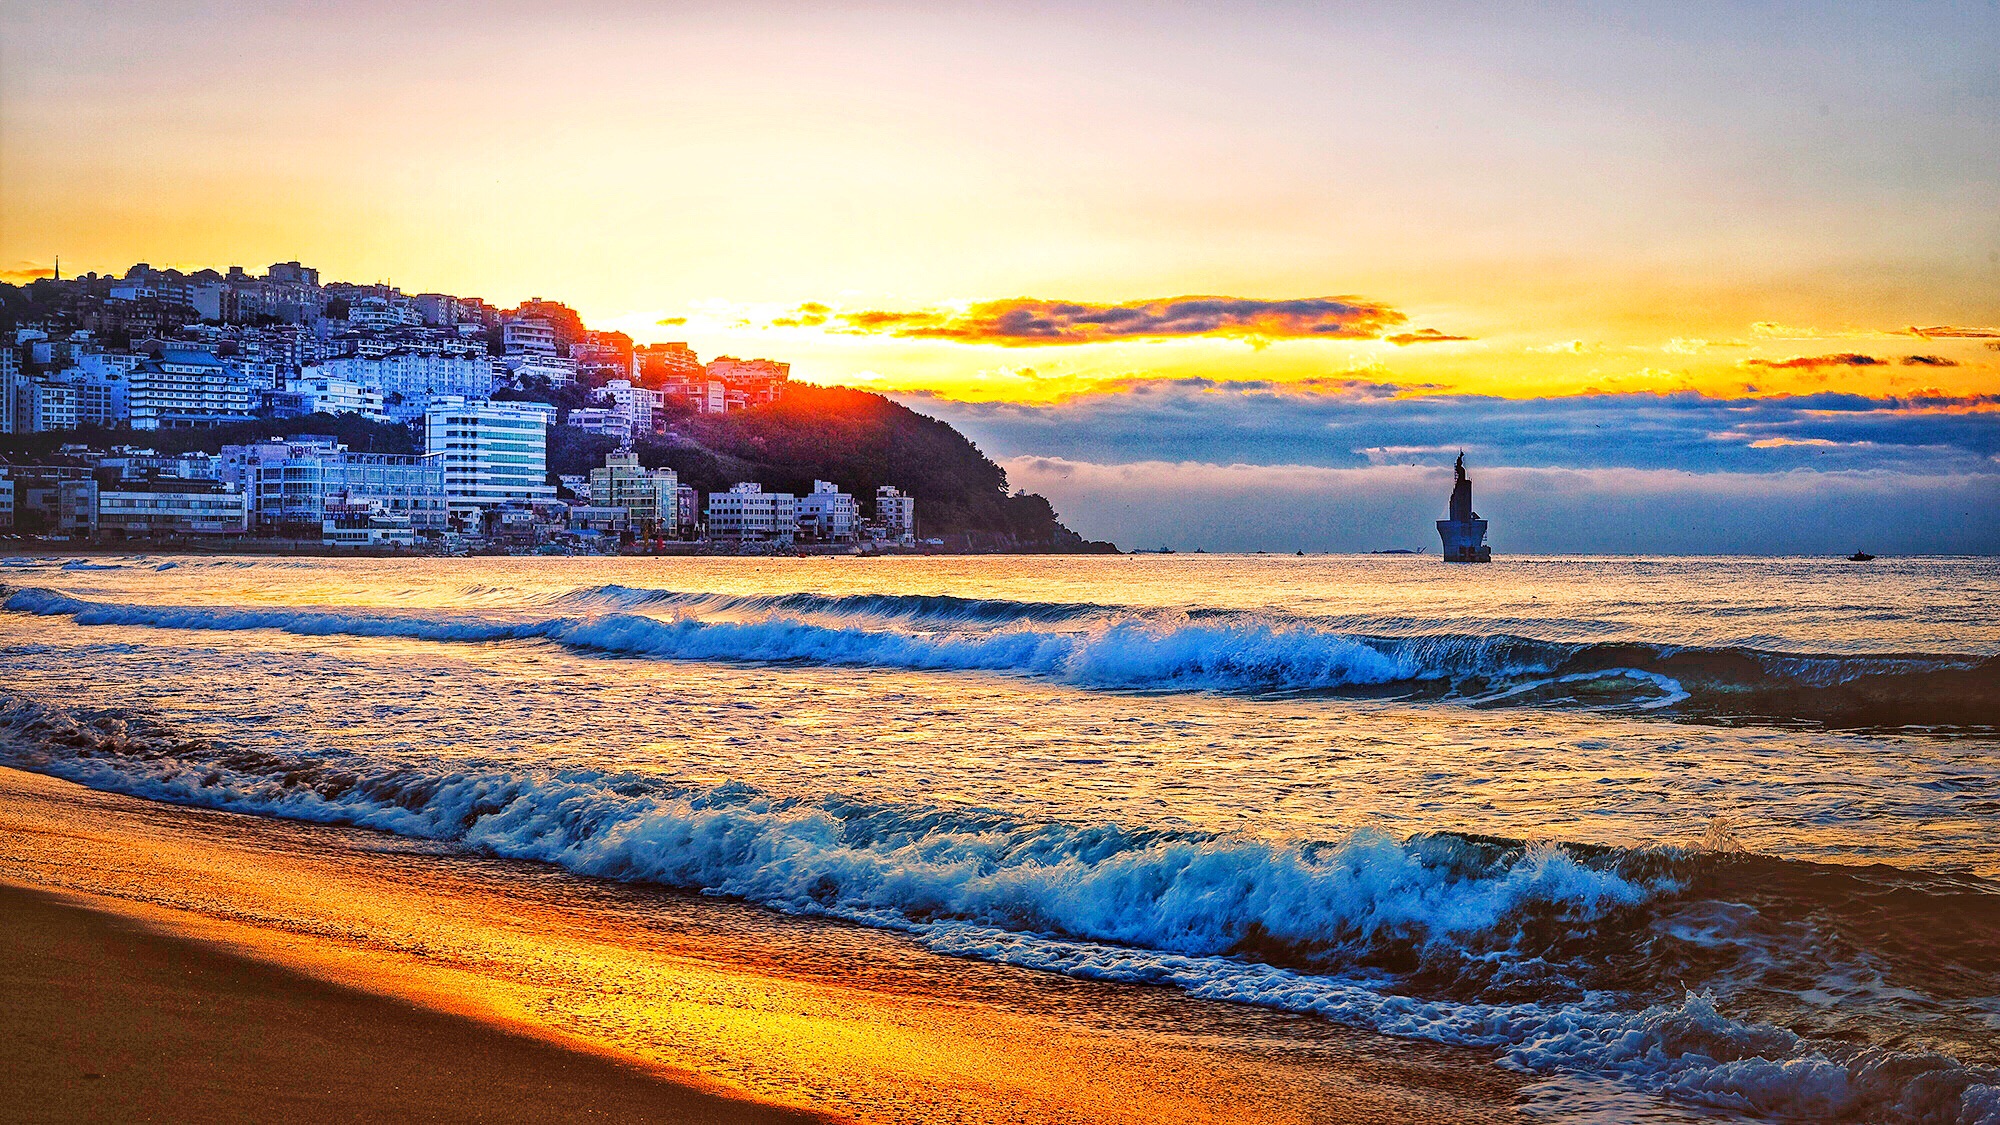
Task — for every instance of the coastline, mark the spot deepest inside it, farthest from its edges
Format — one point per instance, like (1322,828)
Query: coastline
(253,549)
(665,1006)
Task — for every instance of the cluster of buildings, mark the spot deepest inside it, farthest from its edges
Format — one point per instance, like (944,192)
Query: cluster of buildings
(482,481)
(160,349)
(652,504)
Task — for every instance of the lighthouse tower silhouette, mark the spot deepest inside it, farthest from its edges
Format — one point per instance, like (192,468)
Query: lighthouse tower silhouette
(1464,534)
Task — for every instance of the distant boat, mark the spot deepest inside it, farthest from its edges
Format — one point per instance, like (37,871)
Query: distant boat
(1861,556)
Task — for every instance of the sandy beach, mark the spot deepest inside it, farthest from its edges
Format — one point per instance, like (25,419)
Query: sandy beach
(165,963)
(110,1019)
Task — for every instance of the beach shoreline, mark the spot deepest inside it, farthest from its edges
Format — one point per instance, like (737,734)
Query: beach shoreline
(205,949)
(111,1019)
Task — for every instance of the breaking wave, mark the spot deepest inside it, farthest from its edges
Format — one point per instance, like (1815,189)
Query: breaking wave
(1111,648)
(1559,958)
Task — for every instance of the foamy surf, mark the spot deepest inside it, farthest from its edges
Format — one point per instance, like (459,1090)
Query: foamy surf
(1108,648)
(1550,955)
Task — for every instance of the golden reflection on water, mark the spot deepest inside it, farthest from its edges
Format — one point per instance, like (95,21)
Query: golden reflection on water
(829,1016)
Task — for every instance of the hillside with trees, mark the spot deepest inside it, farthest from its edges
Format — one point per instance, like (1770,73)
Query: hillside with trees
(860,440)
(856,439)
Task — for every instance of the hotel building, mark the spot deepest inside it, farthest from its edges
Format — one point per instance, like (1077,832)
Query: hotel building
(185,389)
(491,452)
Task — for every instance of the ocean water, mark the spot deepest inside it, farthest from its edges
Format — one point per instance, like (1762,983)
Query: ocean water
(1719,832)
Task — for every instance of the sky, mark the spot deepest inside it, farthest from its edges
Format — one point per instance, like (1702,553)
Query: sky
(1676,277)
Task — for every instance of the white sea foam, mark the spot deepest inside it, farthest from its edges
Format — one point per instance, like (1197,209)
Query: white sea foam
(1118,655)
(1191,910)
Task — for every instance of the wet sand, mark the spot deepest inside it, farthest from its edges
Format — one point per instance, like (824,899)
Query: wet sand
(223,967)
(107,1019)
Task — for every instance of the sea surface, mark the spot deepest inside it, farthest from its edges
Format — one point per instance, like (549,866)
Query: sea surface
(1719,834)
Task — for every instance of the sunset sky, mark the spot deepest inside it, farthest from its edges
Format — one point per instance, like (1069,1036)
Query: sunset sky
(1145,252)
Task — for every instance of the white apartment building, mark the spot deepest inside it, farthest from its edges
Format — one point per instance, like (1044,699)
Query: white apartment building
(408,380)
(290,483)
(828,515)
(648,496)
(321,394)
(596,357)
(103,393)
(521,369)
(709,396)
(528,335)
(34,406)
(491,452)
(439,310)
(602,420)
(213,302)
(183,389)
(292,273)
(638,404)
(748,514)
(896,512)
(377,313)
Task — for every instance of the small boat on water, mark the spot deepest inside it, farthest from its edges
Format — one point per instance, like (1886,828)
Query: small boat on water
(1861,556)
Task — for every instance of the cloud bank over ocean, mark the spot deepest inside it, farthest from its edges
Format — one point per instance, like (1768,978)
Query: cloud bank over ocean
(1354,466)
(1029,321)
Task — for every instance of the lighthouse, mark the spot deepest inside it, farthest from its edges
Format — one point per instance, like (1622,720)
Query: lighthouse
(1464,534)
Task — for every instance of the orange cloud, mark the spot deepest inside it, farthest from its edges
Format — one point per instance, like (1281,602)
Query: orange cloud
(812,314)
(1812,362)
(1423,336)
(1928,361)
(1954,332)
(1027,321)
(25,273)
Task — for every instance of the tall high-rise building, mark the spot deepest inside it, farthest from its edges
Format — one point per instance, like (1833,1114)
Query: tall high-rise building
(491,452)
